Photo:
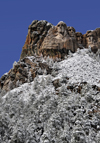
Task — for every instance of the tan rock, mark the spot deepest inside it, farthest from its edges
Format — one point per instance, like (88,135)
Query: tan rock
(71,32)
(79,37)
(98,32)
(37,31)
(33,73)
(6,84)
(58,42)
(84,41)
(98,37)
(91,38)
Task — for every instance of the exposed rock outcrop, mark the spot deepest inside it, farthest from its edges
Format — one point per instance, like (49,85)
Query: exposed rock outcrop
(56,41)
(60,100)
(23,71)
(45,39)
(37,31)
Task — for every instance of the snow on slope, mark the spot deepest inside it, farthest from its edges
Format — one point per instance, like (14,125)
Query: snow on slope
(40,86)
(34,113)
(80,67)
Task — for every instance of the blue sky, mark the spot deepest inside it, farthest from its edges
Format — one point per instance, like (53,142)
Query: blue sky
(17,15)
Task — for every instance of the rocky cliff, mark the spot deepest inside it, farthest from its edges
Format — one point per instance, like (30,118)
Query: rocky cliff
(37,31)
(55,41)
(43,40)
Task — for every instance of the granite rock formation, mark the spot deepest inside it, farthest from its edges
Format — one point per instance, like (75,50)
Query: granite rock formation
(55,41)
(37,31)
(58,42)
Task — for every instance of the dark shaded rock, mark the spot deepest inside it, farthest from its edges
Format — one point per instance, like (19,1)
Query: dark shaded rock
(29,62)
(45,66)
(56,83)
(70,87)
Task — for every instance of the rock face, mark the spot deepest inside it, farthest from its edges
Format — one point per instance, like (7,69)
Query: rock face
(43,40)
(22,72)
(37,31)
(56,41)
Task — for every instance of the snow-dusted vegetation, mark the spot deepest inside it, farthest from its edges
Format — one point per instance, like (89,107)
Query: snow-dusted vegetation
(83,66)
(42,112)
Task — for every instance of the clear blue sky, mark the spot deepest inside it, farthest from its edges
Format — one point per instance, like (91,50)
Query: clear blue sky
(17,15)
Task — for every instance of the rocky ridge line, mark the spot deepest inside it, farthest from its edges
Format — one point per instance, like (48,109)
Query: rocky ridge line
(55,41)
(43,40)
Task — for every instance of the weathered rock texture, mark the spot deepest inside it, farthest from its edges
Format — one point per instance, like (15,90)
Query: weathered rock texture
(45,39)
(56,41)
(22,72)
(37,31)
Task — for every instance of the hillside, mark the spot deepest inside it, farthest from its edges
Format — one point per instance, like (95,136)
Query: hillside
(52,96)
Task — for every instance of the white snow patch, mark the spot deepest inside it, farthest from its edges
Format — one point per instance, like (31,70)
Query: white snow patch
(79,68)
(31,58)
